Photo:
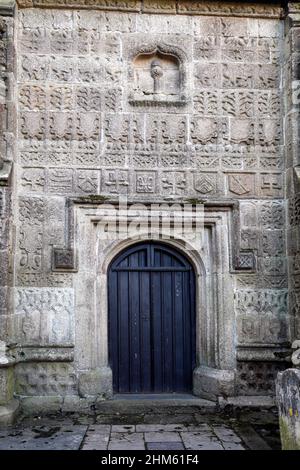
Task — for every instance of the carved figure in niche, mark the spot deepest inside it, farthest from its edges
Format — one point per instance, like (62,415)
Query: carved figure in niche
(157,77)
(156,72)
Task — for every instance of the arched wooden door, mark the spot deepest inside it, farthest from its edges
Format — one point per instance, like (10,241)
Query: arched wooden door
(151,320)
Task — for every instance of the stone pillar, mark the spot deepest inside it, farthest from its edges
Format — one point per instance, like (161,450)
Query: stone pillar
(8,406)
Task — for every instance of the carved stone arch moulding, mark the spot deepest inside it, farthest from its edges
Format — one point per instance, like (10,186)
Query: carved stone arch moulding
(214,374)
(157,72)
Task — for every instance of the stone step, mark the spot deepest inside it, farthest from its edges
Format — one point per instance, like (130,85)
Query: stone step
(145,404)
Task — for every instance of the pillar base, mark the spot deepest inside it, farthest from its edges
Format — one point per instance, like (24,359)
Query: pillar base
(96,382)
(212,383)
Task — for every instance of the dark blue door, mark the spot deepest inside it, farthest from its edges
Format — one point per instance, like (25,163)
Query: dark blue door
(151,320)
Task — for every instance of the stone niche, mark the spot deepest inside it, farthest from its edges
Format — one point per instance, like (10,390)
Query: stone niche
(158,77)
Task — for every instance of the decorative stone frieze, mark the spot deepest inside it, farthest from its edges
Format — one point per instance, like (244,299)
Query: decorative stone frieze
(184,7)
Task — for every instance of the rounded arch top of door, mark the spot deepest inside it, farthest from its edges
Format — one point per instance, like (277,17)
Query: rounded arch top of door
(151,300)
(148,255)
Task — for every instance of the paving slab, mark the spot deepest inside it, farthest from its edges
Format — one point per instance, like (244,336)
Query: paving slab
(161,427)
(200,441)
(96,438)
(99,429)
(126,441)
(162,436)
(44,437)
(94,446)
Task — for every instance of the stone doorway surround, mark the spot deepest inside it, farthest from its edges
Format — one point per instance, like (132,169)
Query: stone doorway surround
(215,348)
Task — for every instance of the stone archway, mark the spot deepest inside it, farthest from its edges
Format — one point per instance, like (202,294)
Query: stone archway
(215,351)
(151,320)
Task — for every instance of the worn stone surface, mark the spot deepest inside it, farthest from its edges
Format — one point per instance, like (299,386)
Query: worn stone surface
(96,382)
(256,428)
(63,435)
(8,406)
(156,101)
(6,385)
(38,379)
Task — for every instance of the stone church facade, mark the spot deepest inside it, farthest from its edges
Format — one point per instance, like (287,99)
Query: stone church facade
(157,101)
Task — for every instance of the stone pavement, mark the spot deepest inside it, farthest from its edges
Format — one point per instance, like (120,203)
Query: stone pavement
(137,423)
(161,437)
(122,437)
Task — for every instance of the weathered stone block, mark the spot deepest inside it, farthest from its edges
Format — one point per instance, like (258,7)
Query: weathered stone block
(63,258)
(45,316)
(41,405)
(95,382)
(209,382)
(269,28)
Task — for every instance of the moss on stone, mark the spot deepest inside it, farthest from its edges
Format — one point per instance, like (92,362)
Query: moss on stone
(288,440)
(6,385)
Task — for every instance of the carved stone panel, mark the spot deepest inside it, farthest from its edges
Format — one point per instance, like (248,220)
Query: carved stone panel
(258,378)
(45,316)
(44,378)
(241,184)
(261,316)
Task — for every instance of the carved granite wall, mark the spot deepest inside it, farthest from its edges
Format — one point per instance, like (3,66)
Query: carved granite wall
(156,107)
(292,107)
(8,406)
(7,131)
